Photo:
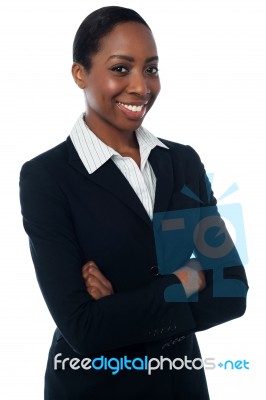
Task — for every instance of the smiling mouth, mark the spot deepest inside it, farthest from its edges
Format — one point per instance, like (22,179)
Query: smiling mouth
(131,107)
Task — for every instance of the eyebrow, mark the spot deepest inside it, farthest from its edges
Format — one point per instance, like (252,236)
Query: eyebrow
(131,59)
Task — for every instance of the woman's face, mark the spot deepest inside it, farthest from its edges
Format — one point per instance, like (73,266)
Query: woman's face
(123,81)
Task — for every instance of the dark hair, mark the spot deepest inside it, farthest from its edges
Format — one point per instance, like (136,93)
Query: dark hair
(95,26)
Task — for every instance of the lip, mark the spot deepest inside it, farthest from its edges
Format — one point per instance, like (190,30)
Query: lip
(133,103)
(133,115)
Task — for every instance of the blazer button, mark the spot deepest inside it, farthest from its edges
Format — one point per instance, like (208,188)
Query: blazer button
(154,270)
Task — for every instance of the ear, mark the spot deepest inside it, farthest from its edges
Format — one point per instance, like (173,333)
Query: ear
(79,74)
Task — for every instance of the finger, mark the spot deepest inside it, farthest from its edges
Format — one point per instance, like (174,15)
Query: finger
(202,280)
(91,269)
(96,273)
(189,279)
(94,292)
(86,267)
(96,283)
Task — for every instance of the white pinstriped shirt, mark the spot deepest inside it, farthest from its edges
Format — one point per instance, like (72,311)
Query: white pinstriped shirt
(93,153)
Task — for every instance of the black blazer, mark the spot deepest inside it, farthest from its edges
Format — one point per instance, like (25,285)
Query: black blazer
(71,217)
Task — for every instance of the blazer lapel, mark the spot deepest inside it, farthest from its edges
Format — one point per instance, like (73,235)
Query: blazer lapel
(161,162)
(110,178)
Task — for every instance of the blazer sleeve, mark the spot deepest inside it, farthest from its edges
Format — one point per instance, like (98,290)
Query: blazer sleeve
(89,326)
(224,297)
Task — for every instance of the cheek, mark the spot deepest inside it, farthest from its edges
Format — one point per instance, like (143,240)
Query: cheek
(156,87)
(101,91)
(112,87)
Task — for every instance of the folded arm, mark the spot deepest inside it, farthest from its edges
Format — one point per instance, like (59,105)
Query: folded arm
(88,326)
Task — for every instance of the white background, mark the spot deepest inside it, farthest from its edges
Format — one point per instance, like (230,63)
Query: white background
(212,68)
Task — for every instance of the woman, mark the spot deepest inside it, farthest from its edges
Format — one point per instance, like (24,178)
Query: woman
(88,207)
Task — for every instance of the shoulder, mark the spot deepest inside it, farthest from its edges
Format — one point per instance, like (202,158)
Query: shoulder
(55,153)
(50,160)
(181,152)
(46,171)
(44,175)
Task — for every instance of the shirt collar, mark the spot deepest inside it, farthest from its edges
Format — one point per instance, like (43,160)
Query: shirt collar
(93,152)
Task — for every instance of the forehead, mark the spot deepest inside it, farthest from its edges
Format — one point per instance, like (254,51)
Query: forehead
(130,38)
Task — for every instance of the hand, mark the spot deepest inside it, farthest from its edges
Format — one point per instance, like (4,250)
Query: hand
(192,277)
(96,283)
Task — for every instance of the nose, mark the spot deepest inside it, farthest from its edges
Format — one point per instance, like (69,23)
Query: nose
(138,84)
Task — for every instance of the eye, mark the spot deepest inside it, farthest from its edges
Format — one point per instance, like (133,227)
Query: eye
(152,70)
(120,69)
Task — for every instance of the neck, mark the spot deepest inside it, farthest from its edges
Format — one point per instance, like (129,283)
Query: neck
(121,141)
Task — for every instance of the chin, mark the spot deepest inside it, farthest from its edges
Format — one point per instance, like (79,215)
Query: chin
(131,126)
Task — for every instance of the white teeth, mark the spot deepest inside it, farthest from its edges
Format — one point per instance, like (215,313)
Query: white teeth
(132,108)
